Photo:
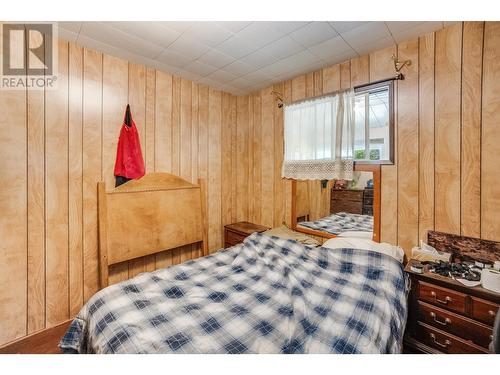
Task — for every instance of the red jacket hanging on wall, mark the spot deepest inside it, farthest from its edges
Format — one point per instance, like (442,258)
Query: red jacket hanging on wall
(129,163)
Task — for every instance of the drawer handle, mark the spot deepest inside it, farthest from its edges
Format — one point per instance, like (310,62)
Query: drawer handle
(442,345)
(443,323)
(444,302)
(491,313)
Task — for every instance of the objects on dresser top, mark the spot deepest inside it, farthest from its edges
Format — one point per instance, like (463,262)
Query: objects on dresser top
(490,279)
(426,253)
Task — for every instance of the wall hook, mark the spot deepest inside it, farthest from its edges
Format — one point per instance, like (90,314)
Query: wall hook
(399,65)
(278,97)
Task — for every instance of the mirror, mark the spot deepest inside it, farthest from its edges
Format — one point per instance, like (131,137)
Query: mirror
(339,207)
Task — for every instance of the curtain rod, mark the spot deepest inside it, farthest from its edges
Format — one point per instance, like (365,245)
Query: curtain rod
(399,76)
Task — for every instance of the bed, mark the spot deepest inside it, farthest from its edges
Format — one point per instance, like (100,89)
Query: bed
(341,223)
(266,295)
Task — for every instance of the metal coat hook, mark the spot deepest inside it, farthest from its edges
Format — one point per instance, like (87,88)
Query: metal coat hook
(399,65)
(278,96)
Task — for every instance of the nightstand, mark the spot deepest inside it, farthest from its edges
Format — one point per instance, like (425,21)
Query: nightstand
(235,233)
(447,317)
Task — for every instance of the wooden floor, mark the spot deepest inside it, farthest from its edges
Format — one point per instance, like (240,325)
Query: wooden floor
(44,342)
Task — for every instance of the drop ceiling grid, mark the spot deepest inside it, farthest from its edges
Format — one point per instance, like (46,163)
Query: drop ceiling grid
(240,57)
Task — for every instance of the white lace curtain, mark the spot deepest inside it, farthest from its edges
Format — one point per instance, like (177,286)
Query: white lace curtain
(319,138)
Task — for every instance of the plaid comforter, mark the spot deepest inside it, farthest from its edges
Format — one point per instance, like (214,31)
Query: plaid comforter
(267,295)
(341,222)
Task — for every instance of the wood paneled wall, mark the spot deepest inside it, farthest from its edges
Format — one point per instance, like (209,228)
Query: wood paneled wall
(447,112)
(56,145)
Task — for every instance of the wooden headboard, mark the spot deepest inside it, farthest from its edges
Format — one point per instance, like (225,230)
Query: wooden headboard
(142,217)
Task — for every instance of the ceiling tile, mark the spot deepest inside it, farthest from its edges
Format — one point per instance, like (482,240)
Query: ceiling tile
(222,76)
(179,26)
(402,31)
(150,31)
(209,33)
(234,26)
(257,76)
(374,45)
(331,47)
(286,27)
(340,57)
(296,61)
(240,57)
(344,26)
(397,26)
(313,33)
(70,36)
(117,38)
(273,52)
(200,68)
(188,47)
(216,58)
(70,26)
(238,68)
(366,34)
(259,34)
(174,58)
(236,47)
(241,83)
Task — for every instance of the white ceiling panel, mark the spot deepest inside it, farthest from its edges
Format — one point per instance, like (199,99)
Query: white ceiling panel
(107,34)
(286,27)
(200,68)
(216,58)
(151,31)
(402,31)
(332,47)
(238,68)
(173,58)
(234,26)
(240,56)
(208,33)
(365,34)
(222,76)
(273,52)
(189,47)
(313,33)
(345,26)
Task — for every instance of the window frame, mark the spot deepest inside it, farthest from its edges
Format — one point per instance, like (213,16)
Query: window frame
(366,89)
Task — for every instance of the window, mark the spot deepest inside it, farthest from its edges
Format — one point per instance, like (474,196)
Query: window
(319,137)
(373,123)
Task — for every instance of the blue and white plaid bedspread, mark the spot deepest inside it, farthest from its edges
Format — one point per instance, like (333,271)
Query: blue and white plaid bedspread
(267,295)
(341,222)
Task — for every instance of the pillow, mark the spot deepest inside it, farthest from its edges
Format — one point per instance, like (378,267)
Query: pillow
(356,234)
(364,244)
(285,232)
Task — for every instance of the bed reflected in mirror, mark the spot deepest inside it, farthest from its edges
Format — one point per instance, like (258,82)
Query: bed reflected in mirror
(339,207)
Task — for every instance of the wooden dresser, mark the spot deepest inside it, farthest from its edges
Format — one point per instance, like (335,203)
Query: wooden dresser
(346,200)
(445,316)
(235,233)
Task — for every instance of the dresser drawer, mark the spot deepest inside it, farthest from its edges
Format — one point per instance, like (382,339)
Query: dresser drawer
(233,238)
(484,311)
(447,298)
(446,342)
(459,326)
(350,195)
(346,206)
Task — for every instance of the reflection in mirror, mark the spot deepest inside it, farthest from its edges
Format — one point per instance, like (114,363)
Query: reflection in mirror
(341,208)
